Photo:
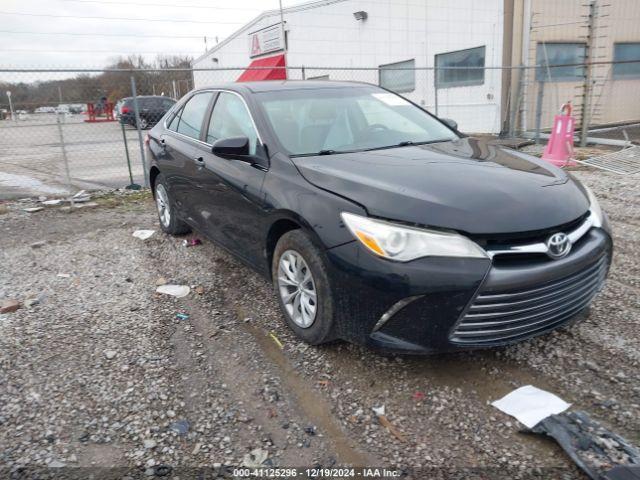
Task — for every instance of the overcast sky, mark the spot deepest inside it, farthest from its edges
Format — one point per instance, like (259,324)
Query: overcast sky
(48,34)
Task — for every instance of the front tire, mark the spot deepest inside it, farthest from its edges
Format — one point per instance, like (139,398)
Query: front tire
(301,283)
(167,213)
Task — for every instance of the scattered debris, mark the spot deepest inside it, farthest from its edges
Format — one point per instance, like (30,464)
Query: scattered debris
(149,444)
(191,242)
(38,244)
(143,234)
(9,305)
(32,301)
(255,458)
(379,410)
(530,405)
(418,396)
(310,430)
(592,447)
(51,203)
(181,427)
(384,421)
(81,197)
(32,209)
(324,383)
(276,339)
(161,281)
(199,289)
(182,316)
(110,354)
(178,291)
(64,275)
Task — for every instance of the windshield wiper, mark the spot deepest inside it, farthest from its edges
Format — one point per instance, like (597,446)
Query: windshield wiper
(407,143)
(326,152)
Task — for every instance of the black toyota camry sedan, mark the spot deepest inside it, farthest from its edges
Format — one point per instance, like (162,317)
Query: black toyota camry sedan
(376,221)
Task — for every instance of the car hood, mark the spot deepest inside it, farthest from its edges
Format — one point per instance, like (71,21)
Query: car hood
(468,185)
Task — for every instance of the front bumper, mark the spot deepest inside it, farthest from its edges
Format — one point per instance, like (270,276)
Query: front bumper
(449,304)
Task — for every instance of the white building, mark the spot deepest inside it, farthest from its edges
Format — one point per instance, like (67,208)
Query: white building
(396,43)
(324,35)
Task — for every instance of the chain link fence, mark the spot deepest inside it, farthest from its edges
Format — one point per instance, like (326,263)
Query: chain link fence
(62,130)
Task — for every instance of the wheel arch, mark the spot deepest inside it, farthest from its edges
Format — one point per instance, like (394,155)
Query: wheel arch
(282,224)
(153,174)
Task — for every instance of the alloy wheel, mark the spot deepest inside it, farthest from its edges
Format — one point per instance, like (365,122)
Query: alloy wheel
(162,203)
(297,289)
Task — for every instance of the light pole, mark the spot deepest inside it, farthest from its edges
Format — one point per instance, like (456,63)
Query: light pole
(13,117)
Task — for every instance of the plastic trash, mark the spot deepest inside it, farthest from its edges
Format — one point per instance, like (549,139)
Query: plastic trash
(81,196)
(529,405)
(191,242)
(143,234)
(181,427)
(276,339)
(178,291)
(601,454)
(182,316)
(32,209)
(52,202)
(255,458)
(386,423)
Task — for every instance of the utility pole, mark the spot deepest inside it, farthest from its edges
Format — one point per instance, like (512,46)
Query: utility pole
(59,94)
(588,73)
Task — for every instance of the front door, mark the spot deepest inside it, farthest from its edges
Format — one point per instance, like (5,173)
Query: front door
(230,199)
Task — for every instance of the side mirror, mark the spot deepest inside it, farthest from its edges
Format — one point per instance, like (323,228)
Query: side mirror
(235,148)
(452,123)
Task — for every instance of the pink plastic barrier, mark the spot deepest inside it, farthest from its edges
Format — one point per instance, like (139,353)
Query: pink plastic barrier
(559,149)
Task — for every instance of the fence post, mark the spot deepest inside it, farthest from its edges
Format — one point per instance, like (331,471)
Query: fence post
(435,90)
(137,112)
(539,109)
(64,157)
(586,96)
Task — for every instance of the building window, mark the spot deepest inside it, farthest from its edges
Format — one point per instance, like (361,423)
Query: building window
(550,54)
(394,78)
(456,75)
(625,52)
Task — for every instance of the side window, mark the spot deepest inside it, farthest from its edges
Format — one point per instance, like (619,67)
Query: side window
(173,121)
(398,77)
(230,118)
(451,72)
(550,54)
(167,104)
(192,115)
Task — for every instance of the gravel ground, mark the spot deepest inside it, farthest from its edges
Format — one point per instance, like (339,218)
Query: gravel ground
(97,371)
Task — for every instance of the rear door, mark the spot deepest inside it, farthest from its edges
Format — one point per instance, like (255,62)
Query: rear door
(182,154)
(229,193)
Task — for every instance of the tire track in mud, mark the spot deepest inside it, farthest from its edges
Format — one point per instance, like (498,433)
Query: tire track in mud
(240,357)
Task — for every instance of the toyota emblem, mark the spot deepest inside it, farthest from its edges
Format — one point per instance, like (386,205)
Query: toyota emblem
(558,245)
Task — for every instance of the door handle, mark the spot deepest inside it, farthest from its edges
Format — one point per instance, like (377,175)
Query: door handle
(199,161)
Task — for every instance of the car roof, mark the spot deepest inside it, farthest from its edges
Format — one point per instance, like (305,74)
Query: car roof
(277,85)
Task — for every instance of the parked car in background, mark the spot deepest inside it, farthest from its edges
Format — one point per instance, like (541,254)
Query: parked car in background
(152,109)
(376,221)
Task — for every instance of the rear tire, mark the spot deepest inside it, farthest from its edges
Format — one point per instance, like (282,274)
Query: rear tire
(167,212)
(301,283)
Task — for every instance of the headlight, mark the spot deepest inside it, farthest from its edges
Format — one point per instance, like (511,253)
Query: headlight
(397,242)
(596,211)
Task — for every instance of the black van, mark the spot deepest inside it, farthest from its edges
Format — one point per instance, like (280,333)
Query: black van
(152,109)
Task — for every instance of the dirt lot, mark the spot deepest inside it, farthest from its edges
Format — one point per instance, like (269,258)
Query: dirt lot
(99,372)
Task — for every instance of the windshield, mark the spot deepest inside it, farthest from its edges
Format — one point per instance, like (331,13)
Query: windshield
(334,120)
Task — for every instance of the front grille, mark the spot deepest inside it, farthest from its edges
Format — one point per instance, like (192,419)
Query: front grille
(510,315)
